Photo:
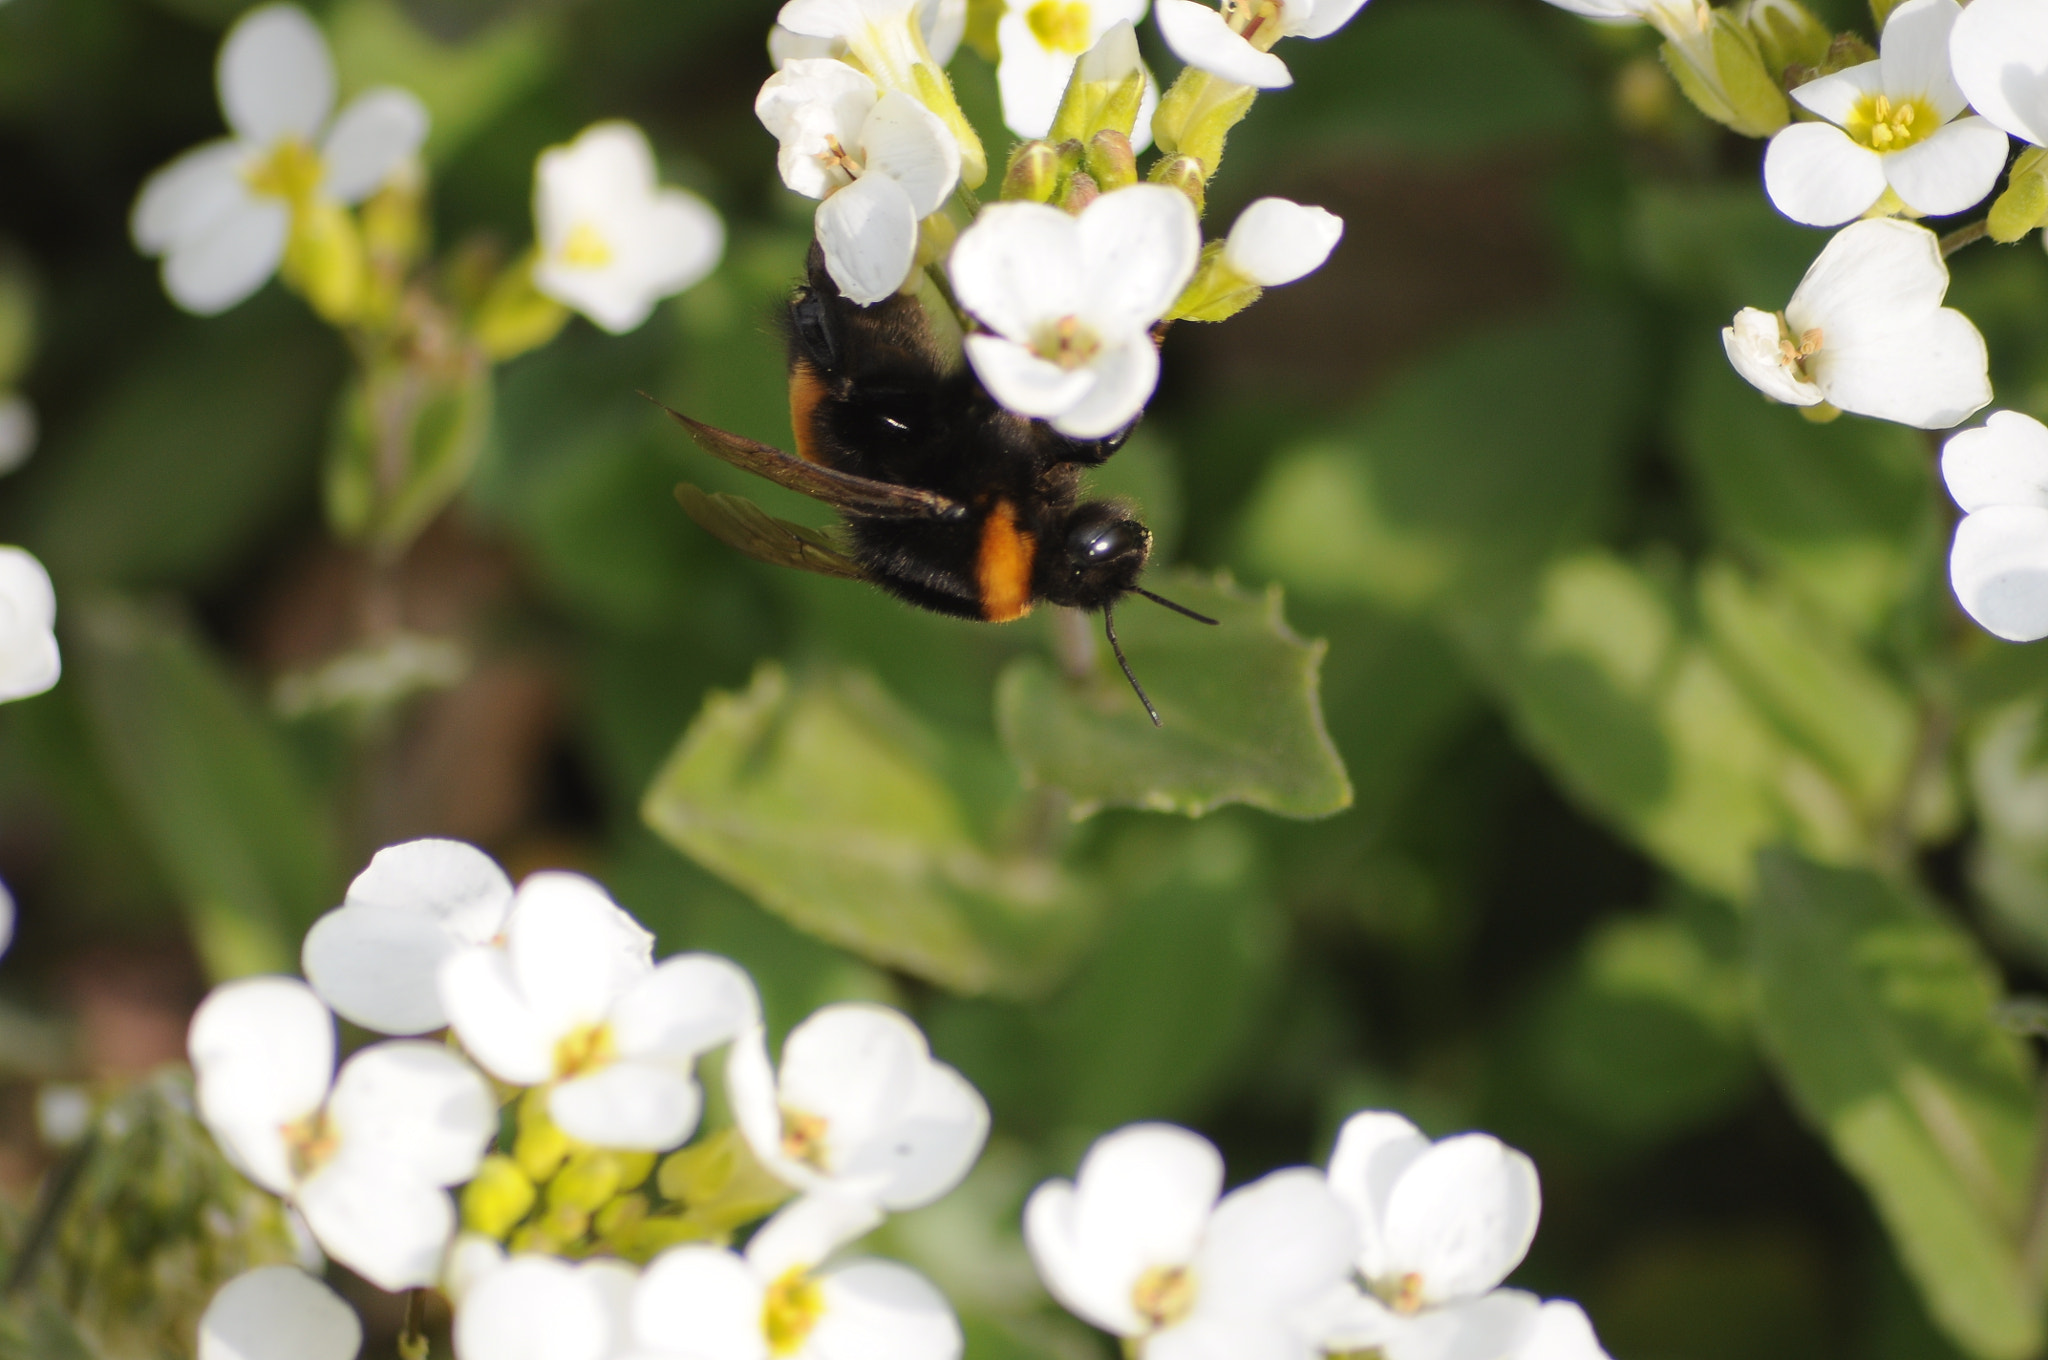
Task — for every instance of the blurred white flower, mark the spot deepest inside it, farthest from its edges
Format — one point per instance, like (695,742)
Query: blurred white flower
(540,1308)
(1275,241)
(944,23)
(17,431)
(1999,566)
(1071,302)
(1891,123)
(29,663)
(1139,1246)
(1999,53)
(7,927)
(612,240)
(1866,332)
(376,959)
(366,1163)
(1663,13)
(574,997)
(881,161)
(707,1303)
(278,1313)
(219,215)
(1205,40)
(1042,42)
(859,1110)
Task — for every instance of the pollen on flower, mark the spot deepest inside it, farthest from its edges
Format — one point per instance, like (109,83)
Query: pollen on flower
(1258,21)
(803,1138)
(793,1305)
(1407,1294)
(1164,1295)
(586,248)
(1793,354)
(312,1142)
(1881,125)
(1067,342)
(837,157)
(291,171)
(583,1050)
(1060,25)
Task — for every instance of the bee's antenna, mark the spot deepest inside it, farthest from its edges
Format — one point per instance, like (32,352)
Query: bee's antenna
(1109,627)
(1176,608)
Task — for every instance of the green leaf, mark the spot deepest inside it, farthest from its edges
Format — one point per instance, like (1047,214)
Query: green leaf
(832,807)
(1239,705)
(1877,1011)
(208,782)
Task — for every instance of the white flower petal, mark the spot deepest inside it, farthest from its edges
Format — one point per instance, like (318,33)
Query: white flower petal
(211,271)
(29,661)
(496,1025)
(806,1231)
(690,1004)
(608,168)
(672,244)
(379,131)
(262,1053)
(785,46)
(1492,1327)
(1462,1216)
(1999,53)
(868,231)
(878,1310)
(1022,381)
(906,141)
(1950,172)
(451,882)
(1199,36)
(1561,1332)
(1931,375)
(1324,17)
(278,1313)
(1274,241)
(389,1228)
(1914,54)
(1815,174)
(1868,280)
(1031,78)
(1373,1149)
(647,1107)
(1066,1266)
(806,105)
(1018,265)
(1349,1319)
(574,951)
(1835,97)
(931,1146)
(2003,463)
(853,1065)
(189,196)
(1124,377)
(1139,248)
(699,1301)
(756,1108)
(1274,1246)
(414,1105)
(1752,344)
(1218,1336)
(1999,568)
(275,76)
(535,1308)
(470,1259)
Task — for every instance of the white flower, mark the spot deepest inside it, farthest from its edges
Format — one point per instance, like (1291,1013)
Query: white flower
(1139,1246)
(366,1162)
(885,36)
(574,998)
(944,23)
(707,1303)
(1999,565)
(29,663)
(540,1308)
(1999,52)
(1072,300)
(1042,42)
(17,432)
(220,214)
(376,958)
(881,161)
(7,926)
(1205,40)
(1866,332)
(278,1313)
(860,1110)
(613,241)
(1660,12)
(1274,241)
(1891,123)
(1439,1226)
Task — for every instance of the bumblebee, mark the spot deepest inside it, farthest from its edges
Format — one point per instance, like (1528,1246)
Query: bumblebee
(949,501)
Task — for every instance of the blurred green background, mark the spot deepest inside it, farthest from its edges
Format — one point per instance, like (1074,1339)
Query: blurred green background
(1602,626)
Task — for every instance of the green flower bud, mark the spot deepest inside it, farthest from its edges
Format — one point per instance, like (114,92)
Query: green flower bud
(1196,114)
(1105,90)
(540,1147)
(324,262)
(497,1197)
(720,1183)
(2024,204)
(1034,172)
(586,1181)
(1081,190)
(1717,63)
(1186,174)
(1111,161)
(619,1221)
(1786,34)
(1217,291)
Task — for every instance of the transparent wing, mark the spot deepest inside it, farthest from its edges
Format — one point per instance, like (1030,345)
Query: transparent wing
(739,523)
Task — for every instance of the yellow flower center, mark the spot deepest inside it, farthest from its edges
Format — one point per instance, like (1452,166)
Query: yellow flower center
(803,1138)
(1060,25)
(310,1143)
(1794,352)
(1257,21)
(1881,125)
(1407,1296)
(1066,342)
(586,248)
(1164,1295)
(584,1050)
(792,1308)
(291,171)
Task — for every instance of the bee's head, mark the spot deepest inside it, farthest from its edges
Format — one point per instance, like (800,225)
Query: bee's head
(1098,557)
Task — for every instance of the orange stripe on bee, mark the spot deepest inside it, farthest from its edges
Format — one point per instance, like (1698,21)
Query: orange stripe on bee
(806,390)
(1002,568)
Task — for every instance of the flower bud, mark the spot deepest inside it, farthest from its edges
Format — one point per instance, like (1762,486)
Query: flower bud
(1081,190)
(1786,34)
(1111,160)
(1034,172)
(323,260)
(2024,204)
(1106,89)
(1196,114)
(586,1181)
(515,316)
(540,1147)
(1717,63)
(619,1221)
(497,1198)
(1186,174)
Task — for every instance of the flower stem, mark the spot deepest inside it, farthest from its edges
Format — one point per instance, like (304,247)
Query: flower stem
(1965,235)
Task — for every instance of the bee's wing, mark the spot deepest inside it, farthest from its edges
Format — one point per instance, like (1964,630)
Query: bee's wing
(739,523)
(840,490)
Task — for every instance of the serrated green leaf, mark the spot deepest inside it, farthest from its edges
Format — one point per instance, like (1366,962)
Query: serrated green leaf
(1878,1013)
(829,805)
(1240,708)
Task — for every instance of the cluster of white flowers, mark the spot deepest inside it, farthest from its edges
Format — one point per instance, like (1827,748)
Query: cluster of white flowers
(551,992)
(1399,1249)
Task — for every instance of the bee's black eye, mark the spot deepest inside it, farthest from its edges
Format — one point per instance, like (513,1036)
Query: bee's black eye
(1102,540)
(813,333)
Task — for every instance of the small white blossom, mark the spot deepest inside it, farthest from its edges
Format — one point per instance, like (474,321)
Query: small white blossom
(1999,52)
(541,1308)
(944,23)
(1139,1245)
(1042,42)
(29,663)
(1866,332)
(777,1300)
(612,240)
(1205,40)
(574,997)
(859,1110)
(1274,241)
(220,214)
(366,1162)
(18,431)
(1663,13)
(881,161)
(1891,123)
(1071,302)
(376,959)
(885,36)
(1999,566)
(278,1313)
